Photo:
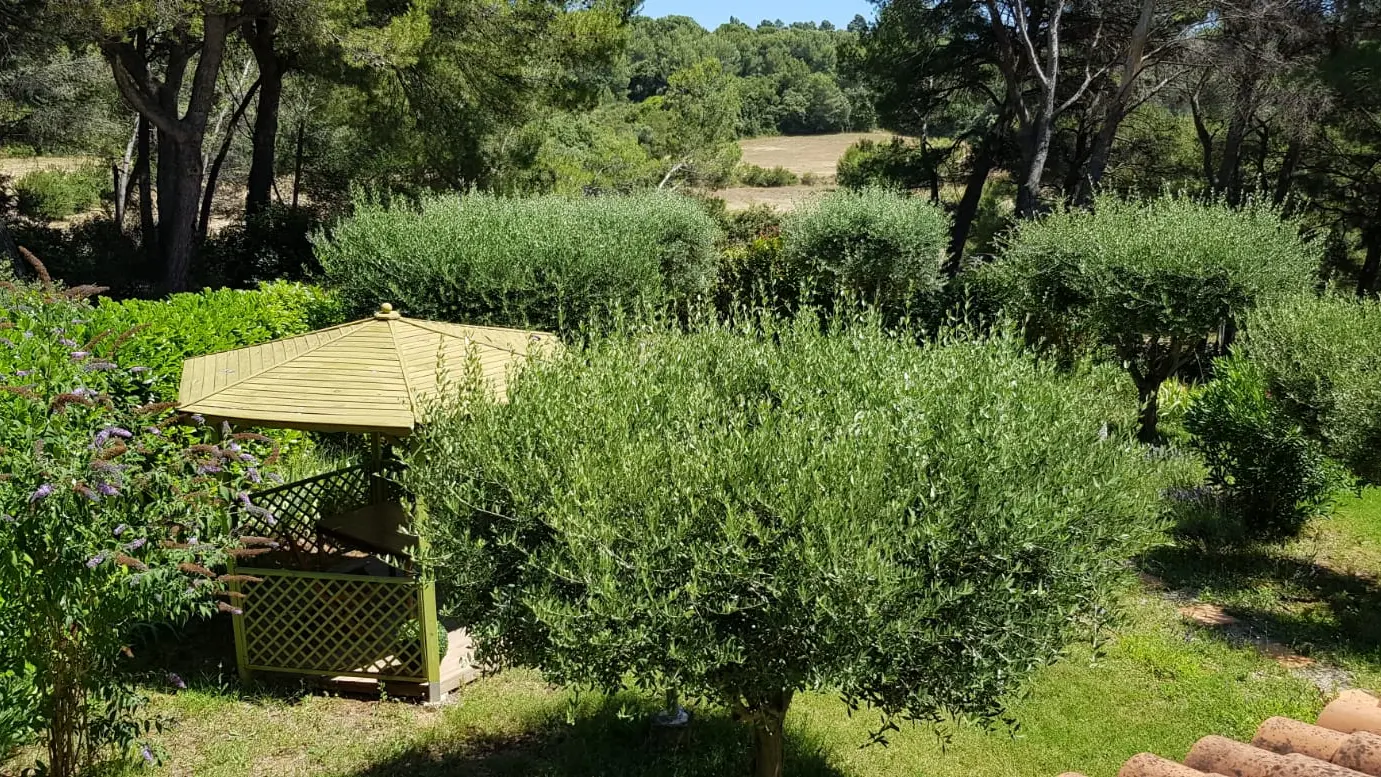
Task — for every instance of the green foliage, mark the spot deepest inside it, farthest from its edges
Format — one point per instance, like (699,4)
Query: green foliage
(272,244)
(1150,281)
(55,194)
(573,154)
(95,251)
(897,163)
(545,262)
(1320,359)
(754,175)
(873,245)
(996,214)
(1272,476)
(789,77)
(742,514)
(185,325)
(109,519)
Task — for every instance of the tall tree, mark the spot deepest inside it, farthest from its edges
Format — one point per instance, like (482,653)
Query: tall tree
(151,48)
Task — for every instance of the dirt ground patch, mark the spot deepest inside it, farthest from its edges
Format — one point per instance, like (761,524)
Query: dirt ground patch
(816,154)
(17,166)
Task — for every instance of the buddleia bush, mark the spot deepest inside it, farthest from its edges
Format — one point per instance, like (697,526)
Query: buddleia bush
(1321,359)
(742,515)
(113,516)
(875,246)
(1149,281)
(543,262)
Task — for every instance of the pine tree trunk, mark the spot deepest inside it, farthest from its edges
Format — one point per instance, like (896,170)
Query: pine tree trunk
(769,735)
(260,37)
(148,229)
(979,168)
(1036,150)
(178,215)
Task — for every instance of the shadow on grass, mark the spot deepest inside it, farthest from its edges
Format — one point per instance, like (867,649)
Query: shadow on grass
(1288,599)
(613,737)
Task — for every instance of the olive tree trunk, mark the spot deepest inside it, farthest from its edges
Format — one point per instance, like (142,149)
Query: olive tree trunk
(768,716)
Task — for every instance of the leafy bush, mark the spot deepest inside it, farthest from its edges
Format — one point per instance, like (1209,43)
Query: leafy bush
(1274,477)
(185,325)
(873,245)
(1151,281)
(753,175)
(272,245)
(741,515)
(1320,359)
(93,251)
(545,262)
(55,194)
(110,519)
(895,164)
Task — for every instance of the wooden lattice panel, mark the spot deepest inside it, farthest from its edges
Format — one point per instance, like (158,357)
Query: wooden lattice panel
(296,508)
(333,624)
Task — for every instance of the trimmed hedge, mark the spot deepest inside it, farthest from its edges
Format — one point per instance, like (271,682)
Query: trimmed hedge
(544,262)
(193,324)
(875,246)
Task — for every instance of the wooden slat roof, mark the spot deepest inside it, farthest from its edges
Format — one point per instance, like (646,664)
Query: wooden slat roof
(373,375)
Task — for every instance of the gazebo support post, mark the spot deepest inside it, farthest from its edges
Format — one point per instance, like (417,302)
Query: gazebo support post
(426,611)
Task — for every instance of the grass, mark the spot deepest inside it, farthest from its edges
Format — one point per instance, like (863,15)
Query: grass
(1158,686)
(1317,594)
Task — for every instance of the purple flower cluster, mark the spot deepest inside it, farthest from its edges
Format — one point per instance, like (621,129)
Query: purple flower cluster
(135,545)
(176,681)
(103,436)
(100,366)
(42,492)
(95,561)
(118,530)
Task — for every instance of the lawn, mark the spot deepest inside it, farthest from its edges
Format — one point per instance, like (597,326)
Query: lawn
(1158,685)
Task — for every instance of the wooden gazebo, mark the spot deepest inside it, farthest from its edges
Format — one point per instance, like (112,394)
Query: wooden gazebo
(340,596)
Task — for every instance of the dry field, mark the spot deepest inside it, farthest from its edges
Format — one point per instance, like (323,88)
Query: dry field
(816,154)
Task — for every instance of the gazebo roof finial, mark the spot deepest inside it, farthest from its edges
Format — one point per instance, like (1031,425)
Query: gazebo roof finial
(387,313)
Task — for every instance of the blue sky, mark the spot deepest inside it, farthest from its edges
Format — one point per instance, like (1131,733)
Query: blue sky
(712,13)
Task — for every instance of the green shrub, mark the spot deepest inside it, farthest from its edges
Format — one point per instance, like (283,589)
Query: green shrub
(878,247)
(274,244)
(741,515)
(1272,476)
(895,164)
(101,499)
(753,175)
(1320,359)
(1149,281)
(193,324)
(544,262)
(93,251)
(55,194)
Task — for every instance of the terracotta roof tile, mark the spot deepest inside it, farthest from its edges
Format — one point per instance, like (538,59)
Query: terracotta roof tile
(1345,743)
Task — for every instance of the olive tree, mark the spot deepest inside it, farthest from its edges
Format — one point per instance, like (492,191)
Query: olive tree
(744,515)
(1151,281)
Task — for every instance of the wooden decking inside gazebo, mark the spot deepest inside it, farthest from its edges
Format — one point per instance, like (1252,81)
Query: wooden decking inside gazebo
(340,596)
